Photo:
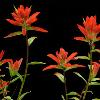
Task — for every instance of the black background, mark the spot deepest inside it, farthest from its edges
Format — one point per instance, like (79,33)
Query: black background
(61,19)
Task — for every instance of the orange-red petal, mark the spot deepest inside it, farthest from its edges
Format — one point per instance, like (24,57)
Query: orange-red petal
(71,57)
(39,29)
(1,54)
(13,22)
(54,58)
(32,18)
(50,67)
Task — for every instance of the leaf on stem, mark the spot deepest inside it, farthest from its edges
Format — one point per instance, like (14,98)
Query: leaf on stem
(23,95)
(13,34)
(60,76)
(30,40)
(20,76)
(7,98)
(78,74)
(75,98)
(96,50)
(96,99)
(35,63)
(82,57)
(62,97)
(94,83)
(95,79)
(73,93)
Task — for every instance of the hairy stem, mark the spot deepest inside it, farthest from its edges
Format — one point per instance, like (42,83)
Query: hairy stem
(26,69)
(89,79)
(66,97)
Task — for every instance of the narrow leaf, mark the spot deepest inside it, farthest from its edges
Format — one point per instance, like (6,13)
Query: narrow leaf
(78,74)
(95,79)
(82,57)
(96,99)
(7,98)
(96,50)
(35,63)
(23,95)
(62,97)
(20,76)
(75,98)
(13,34)
(30,40)
(94,83)
(29,28)
(73,93)
(13,80)
(60,76)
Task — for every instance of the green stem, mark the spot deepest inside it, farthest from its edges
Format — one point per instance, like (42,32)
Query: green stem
(89,79)
(26,69)
(66,97)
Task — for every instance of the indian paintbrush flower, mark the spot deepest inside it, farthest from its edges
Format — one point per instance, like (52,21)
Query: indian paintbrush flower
(22,18)
(62,59)
(90,30)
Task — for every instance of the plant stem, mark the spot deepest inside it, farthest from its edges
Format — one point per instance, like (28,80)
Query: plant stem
(26,69)
(89,79)
(66,97)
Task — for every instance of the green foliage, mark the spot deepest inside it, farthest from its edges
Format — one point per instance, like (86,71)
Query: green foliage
(60,76)
(30,40)
(79,75)
(13,34)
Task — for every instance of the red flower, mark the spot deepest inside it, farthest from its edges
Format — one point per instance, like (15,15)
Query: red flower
(13,65)
(62,60)
(95,68)
(22,18)
(90,30)
(3,84)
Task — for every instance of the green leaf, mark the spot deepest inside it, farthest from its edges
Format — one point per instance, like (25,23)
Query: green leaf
(23,95)
(75,98)
(13,34)
(62,97)
(60,76)
(73,93)
(87,91)
(29,28)
(82,57)
(20,76)
(35,63)
(96,99)
(95,79)
(2,76)
(13,80)
(96,50)
(7,98)
(30,40)
(94,83)
(78,74)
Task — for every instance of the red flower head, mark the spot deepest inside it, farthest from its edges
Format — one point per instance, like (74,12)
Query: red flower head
(22,18)
(90,30)
(3,84)
(62,60)
(13,65)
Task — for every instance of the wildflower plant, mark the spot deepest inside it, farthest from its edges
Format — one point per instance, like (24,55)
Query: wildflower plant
(21,17)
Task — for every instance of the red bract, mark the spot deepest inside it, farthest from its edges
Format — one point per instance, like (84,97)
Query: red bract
(22,18)
(1,54)
(3,84)
(90,30)
(95,68)
(13,65)
(62,60)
